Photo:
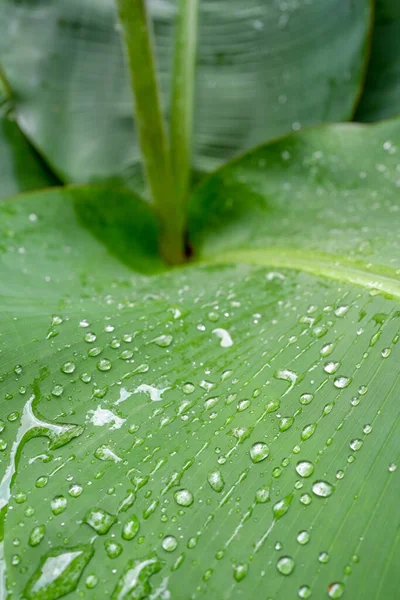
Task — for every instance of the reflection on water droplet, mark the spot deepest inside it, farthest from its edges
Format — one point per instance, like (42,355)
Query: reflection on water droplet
(305,499)
(356,444)
(281,507)
(259,452)
(36,535)
(285,565)
(188,388)
(99,520)
(240,572)
(303,537)
(104,364)
(163,341)
(305,468)
(342,382)
(308,431)
(331,367)
(306,399)
(304,592)
(131,528)
(68,367)
(216,481)
(183,497)
(323,557)
(336,590)
(327,349)
(113,549)
(323,489)
(58,573)
(392,467)
(285,423)
(57,390)
(169,543)
(134,583)
(58,505)
(262,495)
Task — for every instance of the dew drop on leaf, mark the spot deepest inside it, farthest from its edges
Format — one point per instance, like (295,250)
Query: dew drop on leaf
(183,497)
(131,528)
(336,590)
(303,537)
(169,543)
(240,572)
(323,489)
(305,468)
(216,481)
(59,573)
(99,520)
(68,367)
(259,452)
(285,565)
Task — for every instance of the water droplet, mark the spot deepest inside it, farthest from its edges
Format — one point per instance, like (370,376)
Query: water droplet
(240,572)
(367,429)
(68,367)
(113,549)
(304,592)
(386,352)
(58,504)
(91,581)
(323,489)
(89,337)
(323,557)
(58,573)
(135,580)
(75,490)
(308,431)
(327,349)
(183,497)
(305,499)
(262,495)
(285,565)
(281,507)
(104,364)
(243,405)
(303,537)
(341,310)
(169,543)
(342,382)
(259,452)
(336,590)
(356,444)
(188,388)
(36,535)
(224,336)
(57,390)
(131,528)
(331,367)
(305,468)
(306,399)
(99,520)
(285,423)
(105,453)
(392,467)
(216,481)
(163,341)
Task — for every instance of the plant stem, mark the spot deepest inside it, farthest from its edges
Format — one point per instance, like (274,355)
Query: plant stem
(183,98)
(136,29)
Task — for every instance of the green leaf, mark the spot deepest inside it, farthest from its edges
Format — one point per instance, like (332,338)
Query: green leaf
(214,430)
(21,169)
(381,96)
(258,76)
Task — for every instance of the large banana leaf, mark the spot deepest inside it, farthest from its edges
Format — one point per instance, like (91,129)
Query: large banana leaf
(381,96)
(217,430)
(258,76)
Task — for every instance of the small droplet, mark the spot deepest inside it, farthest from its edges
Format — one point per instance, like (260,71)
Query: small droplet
(104,364)
(169,543)
(75,490)
(183,497)
(259,452)
(303,537)
(323,489)
(262,495)
(336,590)
(304,592)
(331,367)
(305,499)
(188,388)
(163,341)
(240,572)
(68,367)
(392,467)
(308,431)
(99,520)
(306,399)
(342,382)
(367,429)
(89,337)
(285,565)
(285,423)
(113,549)
(57,390)
(323,557)
(58,505)
(37,535)
(327,349)
(305,468)
(281,507)
(131,528)
(216,481)
(356,444)
(386,352)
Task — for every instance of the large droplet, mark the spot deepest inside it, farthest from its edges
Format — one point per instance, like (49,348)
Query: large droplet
(305,468)
(259,452)
(100,520)
(131,528)
(285,565)
(169,543)
(183,497)
(240,572)
(216,481)
(336,590)
(135,581)
(323,489)
(281,507)
(58,573)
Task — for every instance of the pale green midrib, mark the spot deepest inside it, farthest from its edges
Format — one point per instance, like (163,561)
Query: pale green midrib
(374,277)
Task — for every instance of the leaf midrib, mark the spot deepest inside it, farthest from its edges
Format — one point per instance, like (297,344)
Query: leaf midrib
(371,276)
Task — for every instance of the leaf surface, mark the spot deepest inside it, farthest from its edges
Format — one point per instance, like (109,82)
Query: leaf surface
(216,430)
(258,76)
(381,96)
